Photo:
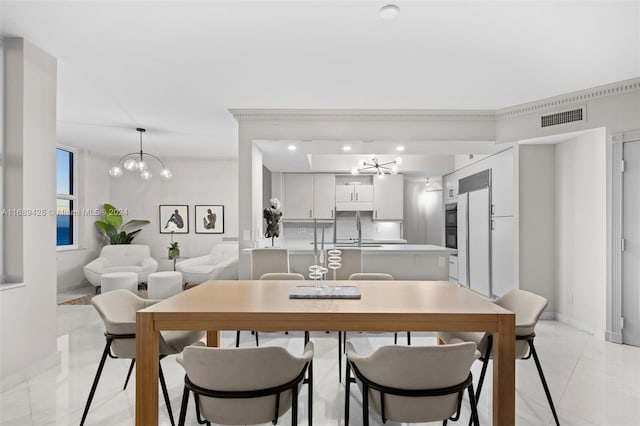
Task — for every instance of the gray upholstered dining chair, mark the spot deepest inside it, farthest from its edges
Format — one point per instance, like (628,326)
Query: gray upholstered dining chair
(232,386)
(276,276)
(528,307)
(118,309)
(342,335)
(411,384)
(265,260)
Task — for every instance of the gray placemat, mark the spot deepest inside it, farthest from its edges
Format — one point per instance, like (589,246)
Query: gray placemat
(312,292)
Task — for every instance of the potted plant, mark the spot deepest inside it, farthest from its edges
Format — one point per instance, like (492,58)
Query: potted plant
(174,248)
(113,228)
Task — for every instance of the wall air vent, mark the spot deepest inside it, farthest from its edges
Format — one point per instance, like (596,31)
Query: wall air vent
(562,117)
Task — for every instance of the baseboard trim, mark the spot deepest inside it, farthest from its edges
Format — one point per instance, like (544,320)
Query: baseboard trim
(613,337)
(598,334)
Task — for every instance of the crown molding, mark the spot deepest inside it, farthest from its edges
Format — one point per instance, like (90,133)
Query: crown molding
(568,99)
(360,115)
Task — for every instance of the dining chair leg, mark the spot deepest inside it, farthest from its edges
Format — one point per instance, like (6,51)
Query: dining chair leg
(165,393)
(408,338)
(473,403)
(347,393)
(183,407)
(544,381)
(365,405)
(339,356)
(92,392)
(294,408)
(257,342)
(395,338)
(310,390)
(485,363)
(133,362)
(237,338)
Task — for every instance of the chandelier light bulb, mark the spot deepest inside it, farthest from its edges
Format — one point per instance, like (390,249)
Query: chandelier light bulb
(380,175)
(146,174)
(166,174)
(394,169)
(398,160)
(141,165)
(354,171)
(115,171)
(130,165)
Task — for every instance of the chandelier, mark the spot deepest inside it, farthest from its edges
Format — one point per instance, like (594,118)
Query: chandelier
(135,161)
(378,168)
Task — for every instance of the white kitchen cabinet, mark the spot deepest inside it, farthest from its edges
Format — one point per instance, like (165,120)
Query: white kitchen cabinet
(502,187)
(503,275)
(298,196)
(453,267)
(354,197)
(308,196)
(324,195)
(388,195)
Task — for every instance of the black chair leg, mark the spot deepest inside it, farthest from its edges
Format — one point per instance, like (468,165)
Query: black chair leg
(167,402)
(237,338)
(306,338)
(544,381)
(183,407)
(133,362)
(347,394)
(92,392)
(395,338)
(365,405)
(408,338)
(257,342)
(474,407)
(339,356)
(310,390)
(485,363)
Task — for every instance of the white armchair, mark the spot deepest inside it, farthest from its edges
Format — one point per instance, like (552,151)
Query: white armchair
(220,264)
(121,258)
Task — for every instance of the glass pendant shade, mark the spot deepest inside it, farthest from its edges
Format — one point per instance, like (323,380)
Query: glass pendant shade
(130,164)
(146,175)
(166,174)
(115,171)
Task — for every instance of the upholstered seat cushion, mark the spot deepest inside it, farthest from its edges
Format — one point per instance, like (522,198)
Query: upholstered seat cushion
(121,258)
(220,264)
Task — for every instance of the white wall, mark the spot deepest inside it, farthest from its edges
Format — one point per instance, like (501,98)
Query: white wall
(194,182)
(93,190)
(423,214)
(581,230)
(28,314)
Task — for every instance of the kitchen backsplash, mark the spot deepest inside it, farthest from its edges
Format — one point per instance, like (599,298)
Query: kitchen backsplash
(346,223)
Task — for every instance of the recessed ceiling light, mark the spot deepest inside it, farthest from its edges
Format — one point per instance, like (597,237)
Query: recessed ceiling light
(389,11)
(346,148)
(291,147)
(399,148)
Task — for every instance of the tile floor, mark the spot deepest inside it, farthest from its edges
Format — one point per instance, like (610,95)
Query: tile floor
(592,382)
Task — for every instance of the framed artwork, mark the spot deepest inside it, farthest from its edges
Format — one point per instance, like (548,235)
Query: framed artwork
(209,219)
(174,218)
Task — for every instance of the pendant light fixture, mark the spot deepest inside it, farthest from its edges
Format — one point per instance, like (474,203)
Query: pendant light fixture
(378,168)
(135,161)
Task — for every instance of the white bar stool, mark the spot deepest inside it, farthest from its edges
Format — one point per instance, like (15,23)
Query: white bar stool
(115,280)
(161,285)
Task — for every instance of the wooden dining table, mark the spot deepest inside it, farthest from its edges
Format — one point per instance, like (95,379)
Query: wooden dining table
(384,306)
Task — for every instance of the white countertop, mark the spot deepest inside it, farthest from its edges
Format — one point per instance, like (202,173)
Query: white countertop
(300,247)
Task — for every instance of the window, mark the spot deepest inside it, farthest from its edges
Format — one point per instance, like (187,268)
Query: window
(66,199)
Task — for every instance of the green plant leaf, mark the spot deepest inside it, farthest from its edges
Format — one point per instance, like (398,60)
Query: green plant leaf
(136,222)
(102,225)
(112,215)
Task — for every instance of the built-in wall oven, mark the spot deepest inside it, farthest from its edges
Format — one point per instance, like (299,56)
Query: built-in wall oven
(451,226)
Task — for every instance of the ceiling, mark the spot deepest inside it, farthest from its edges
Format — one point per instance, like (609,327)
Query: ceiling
(176,68)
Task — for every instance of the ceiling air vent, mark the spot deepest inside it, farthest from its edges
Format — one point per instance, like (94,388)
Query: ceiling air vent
(562,117)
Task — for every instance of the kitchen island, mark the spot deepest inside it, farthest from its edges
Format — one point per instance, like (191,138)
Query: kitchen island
(403,261)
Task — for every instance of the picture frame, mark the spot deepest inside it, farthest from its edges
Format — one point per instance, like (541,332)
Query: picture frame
(209,219)
(174,218)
